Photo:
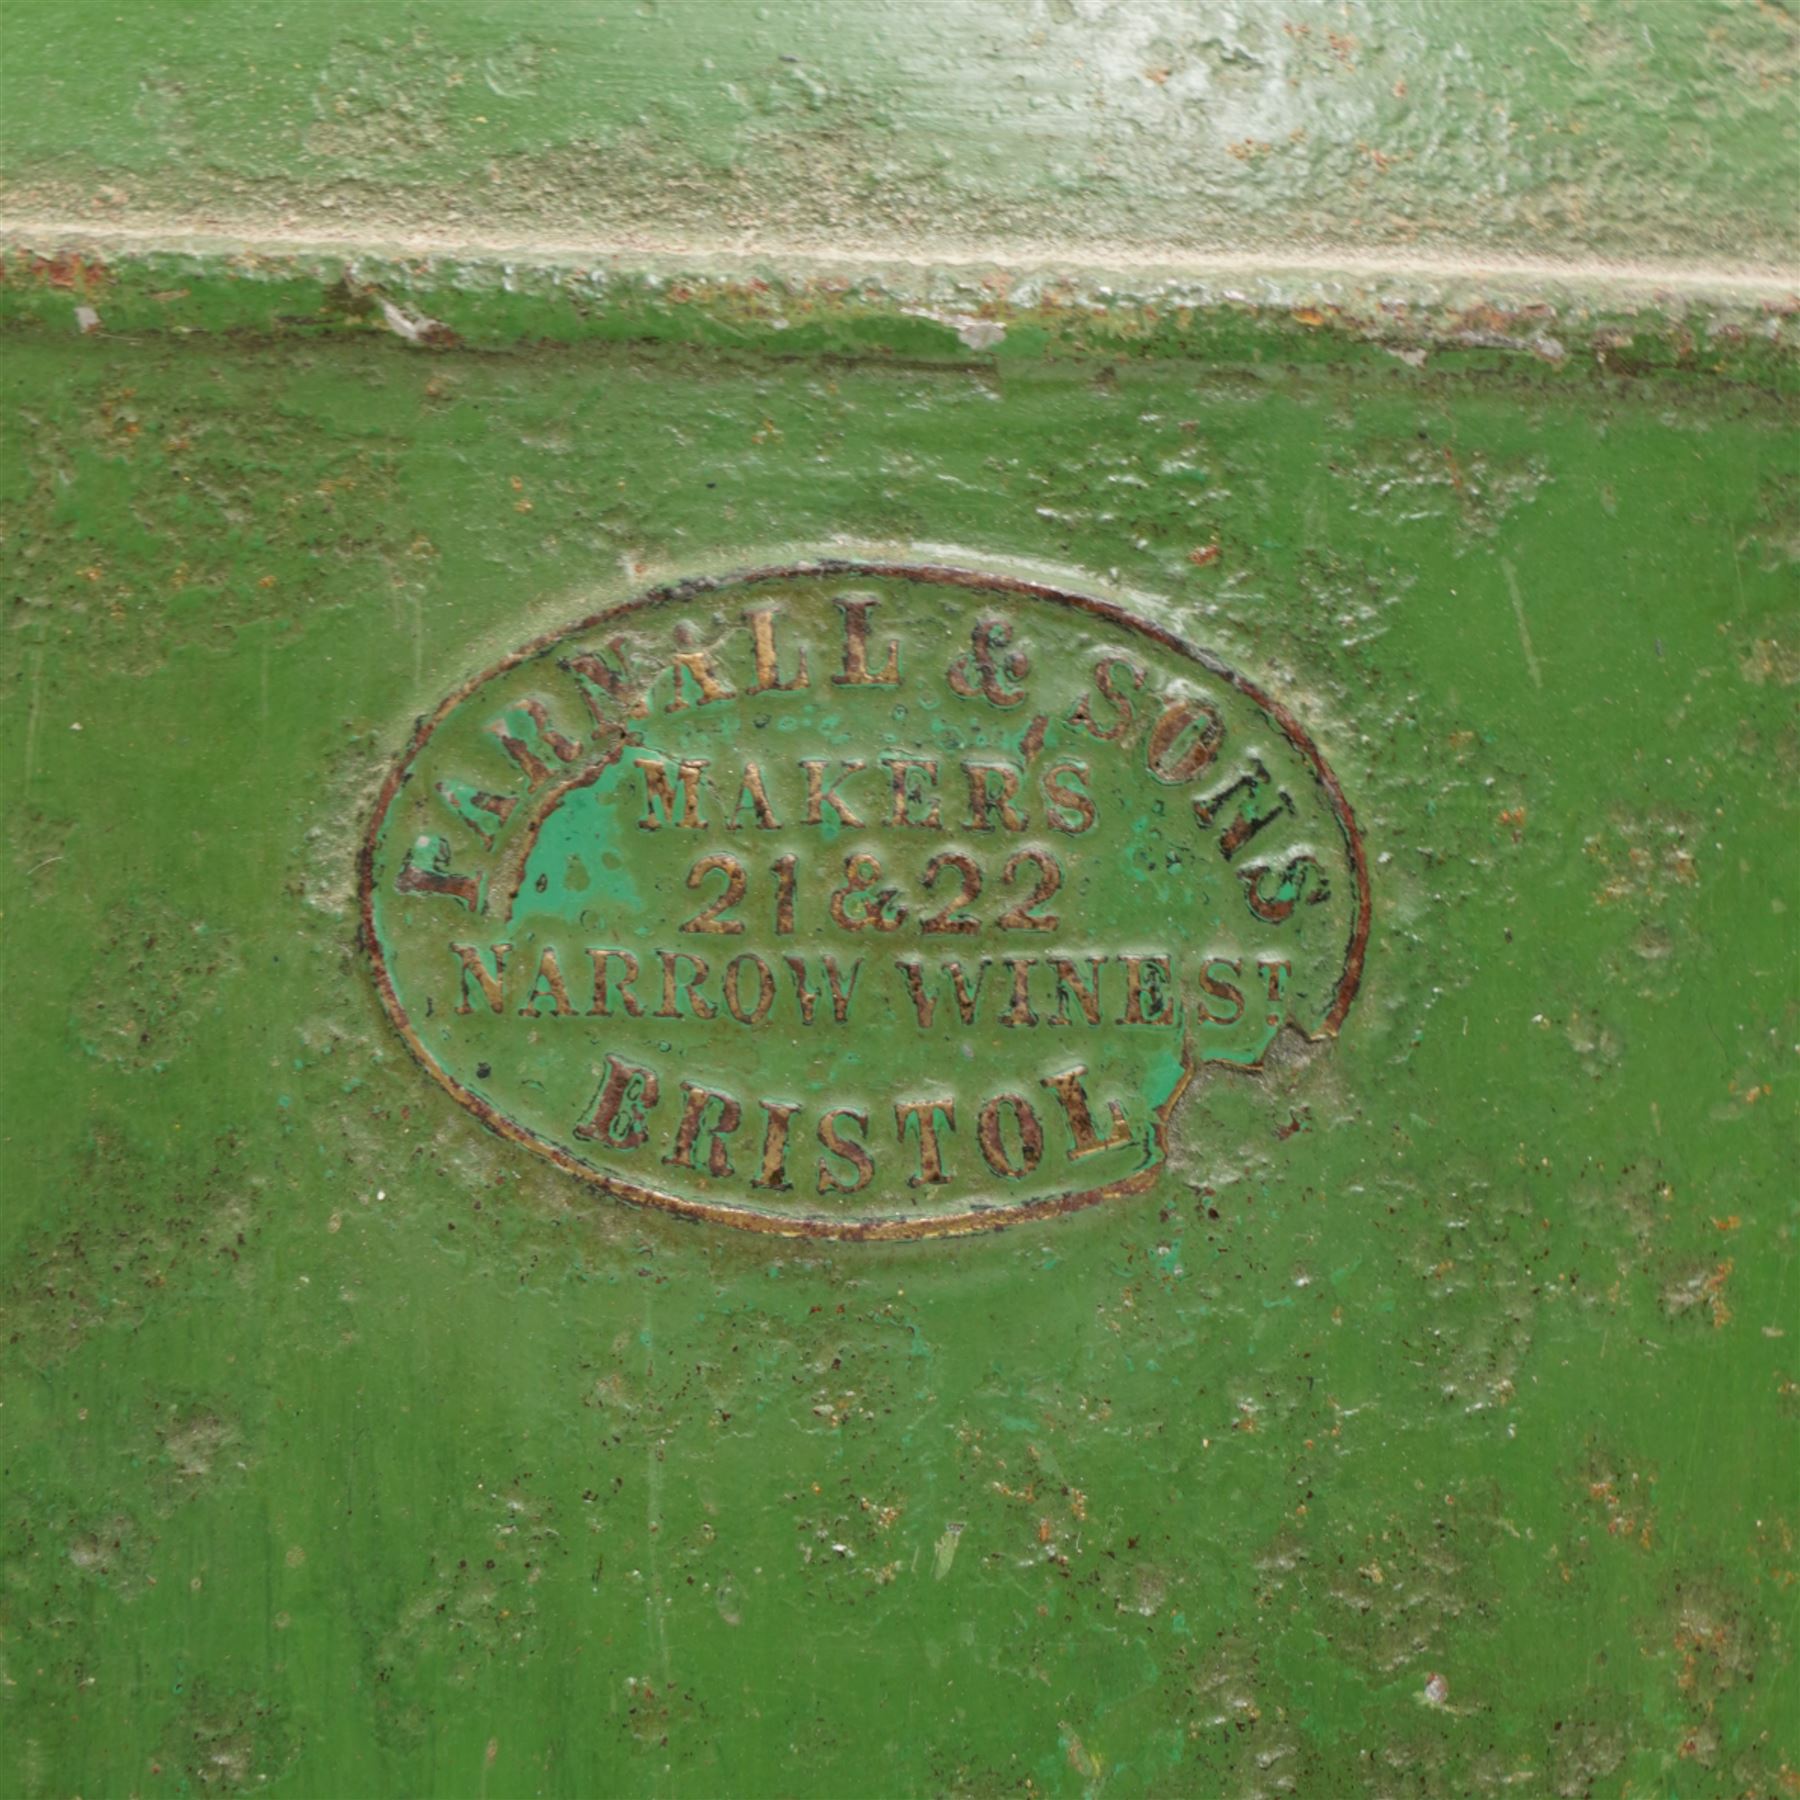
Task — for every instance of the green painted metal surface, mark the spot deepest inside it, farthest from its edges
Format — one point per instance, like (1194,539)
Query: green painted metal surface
(1427,1424)
(1661,130)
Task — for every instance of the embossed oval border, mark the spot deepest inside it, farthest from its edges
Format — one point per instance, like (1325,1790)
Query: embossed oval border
(903,1226)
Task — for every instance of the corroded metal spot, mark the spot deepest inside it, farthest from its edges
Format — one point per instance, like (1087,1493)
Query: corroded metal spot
(858,900)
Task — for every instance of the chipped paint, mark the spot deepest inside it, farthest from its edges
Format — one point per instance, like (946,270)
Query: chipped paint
(1429,1428)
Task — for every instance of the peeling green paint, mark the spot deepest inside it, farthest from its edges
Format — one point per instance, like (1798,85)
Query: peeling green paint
(1429,1426)
(1534,321)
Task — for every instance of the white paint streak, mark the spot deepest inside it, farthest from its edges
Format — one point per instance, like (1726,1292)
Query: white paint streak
(945,1550)
(1518,606)
(414,327)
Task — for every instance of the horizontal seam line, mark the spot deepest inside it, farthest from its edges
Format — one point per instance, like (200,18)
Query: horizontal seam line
(1091,262)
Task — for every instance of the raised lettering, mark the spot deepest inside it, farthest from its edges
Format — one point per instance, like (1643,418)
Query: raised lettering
(1302,877)
(861,872)
(525,733)
(1025,916)
(698,669)
(673,984)
(981,673)
(772,1176)
(1106,683)
(909,793)
(1069,986)
(1069,809)
(983,803)
(1019,1012)
(548,983)
(601,1008)
(990,1134)
(926,1113)
(708,1116)
(1149,982)
(606,686)
(758,1010)
(472,964)
(831,1139)
(1084,1140)
(711,918)
(752,790)
(484,814)
(856,647)
(658,794)
(1217,989)
(434,876)
(819,796)
(1253,812)
(951,918)
(1183,741)
(761,620)
(627,1094)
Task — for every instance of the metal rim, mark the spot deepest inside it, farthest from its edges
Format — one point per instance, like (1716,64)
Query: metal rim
(900,1226)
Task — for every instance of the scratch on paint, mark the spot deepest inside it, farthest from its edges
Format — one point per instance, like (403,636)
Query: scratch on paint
(1518,604)
(31,716)
(653,1455)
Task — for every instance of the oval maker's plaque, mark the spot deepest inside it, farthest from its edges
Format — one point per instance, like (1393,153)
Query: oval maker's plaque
(858,900)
